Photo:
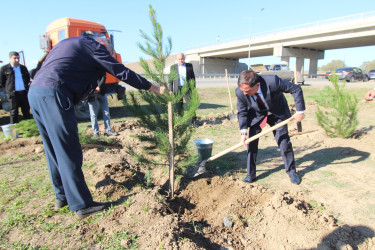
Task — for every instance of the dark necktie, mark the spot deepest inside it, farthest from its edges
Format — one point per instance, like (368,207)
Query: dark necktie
(260,102)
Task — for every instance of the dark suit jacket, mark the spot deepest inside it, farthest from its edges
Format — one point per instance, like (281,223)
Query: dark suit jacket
(7,78)
(173,86)
(273,89)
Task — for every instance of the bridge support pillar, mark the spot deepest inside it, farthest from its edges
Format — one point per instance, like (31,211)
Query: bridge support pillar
(300,61)
(300,54)
(285,60)
(313,68)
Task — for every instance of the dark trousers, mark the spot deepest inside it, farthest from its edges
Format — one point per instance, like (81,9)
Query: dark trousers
(283,141)
(180,105)
(54,115)
(19,100)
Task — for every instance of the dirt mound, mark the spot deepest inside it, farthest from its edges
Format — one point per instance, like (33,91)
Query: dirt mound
(214,213)
(245,215)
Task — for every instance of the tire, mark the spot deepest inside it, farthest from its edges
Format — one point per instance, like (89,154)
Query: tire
(4,103)
(352,79)
(82,110)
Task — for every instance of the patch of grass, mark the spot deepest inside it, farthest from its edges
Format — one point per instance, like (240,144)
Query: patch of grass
(338,184)
(317,181)
(49,227)
(88,165)
(89,139)
(197,228)
(145,209)
(327,173)
(27,128)
(108,211)
(121,240)
(316,205)
(5,159)
(127,202)
(23,246)
(14,218)
(148,176)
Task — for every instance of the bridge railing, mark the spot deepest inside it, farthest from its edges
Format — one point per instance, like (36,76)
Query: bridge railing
(216,75)
(289,28)
(222,76)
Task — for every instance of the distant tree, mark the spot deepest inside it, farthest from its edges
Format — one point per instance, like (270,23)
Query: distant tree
(367,66)
(331,66)
(171,130)
(337,110)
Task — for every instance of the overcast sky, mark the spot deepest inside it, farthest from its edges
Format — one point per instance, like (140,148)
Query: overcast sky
(189,23)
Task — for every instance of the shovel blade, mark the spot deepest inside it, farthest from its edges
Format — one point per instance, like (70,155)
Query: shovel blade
(232,117)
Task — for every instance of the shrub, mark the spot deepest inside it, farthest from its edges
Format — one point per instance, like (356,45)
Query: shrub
(338,116)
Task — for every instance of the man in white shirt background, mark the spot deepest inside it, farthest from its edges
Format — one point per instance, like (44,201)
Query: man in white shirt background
(185,73)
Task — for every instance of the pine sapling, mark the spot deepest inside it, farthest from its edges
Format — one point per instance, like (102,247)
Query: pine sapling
(338,112)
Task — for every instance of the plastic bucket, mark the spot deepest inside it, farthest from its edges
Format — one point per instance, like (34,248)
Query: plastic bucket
(203,148)
(8,131)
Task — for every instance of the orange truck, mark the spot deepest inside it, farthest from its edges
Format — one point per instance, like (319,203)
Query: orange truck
(63,28)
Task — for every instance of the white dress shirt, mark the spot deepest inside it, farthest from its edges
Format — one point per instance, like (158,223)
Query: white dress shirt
(181,74)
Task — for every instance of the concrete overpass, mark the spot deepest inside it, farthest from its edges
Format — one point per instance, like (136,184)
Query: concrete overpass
(305,41)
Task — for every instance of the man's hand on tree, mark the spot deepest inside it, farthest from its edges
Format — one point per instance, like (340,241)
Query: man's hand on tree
(157,90)
(370,95)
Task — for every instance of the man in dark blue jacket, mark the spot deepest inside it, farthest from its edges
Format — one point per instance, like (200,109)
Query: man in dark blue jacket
(260,97)
(68,74)
(16,78)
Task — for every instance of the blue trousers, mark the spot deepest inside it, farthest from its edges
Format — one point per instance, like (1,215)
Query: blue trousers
(54,115)
(102,101)
(283,141)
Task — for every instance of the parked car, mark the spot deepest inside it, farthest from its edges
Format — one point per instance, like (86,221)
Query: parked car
(371,74)
(351,74)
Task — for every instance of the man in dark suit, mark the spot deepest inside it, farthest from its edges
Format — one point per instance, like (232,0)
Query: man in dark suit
(16,78)
(185,73)
(260,97)
(69,73)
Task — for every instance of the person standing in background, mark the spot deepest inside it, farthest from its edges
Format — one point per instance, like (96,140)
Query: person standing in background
(185,73)
(16,78)
(99,97)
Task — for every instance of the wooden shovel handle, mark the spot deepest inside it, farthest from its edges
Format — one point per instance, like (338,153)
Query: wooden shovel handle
(249,139)
(230,98)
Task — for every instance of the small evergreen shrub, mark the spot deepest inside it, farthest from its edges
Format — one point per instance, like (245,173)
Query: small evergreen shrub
(337,110)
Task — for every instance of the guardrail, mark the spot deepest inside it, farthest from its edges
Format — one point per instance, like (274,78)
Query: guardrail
(220,76)
(282,29)
(216,75)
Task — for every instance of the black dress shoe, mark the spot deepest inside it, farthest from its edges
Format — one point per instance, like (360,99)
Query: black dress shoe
(249,179)
(61,204)
(92,209)
(294,178)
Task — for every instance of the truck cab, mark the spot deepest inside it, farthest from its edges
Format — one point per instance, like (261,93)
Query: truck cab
(66,27)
